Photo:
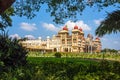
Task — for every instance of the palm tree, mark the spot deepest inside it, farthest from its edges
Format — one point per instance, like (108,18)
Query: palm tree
(110,25)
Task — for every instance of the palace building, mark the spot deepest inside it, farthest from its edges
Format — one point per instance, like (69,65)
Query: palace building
(64,42)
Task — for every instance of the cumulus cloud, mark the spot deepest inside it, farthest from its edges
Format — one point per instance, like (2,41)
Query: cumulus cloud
(69,24)
(80,24)
(29,36)
(98,21)
(15,36)
(28,26)
(50,27)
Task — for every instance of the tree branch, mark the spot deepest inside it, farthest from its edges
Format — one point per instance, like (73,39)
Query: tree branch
(5,4)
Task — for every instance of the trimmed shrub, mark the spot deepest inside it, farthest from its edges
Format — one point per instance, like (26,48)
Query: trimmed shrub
(57,55)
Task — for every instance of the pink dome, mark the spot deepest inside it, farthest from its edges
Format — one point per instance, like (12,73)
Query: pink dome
(97,38)
(65,28)
(76,27)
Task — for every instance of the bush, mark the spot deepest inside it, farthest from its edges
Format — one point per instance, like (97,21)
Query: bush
(12,54)
(58,55)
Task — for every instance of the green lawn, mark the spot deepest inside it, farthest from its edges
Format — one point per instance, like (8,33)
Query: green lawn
(107,56)
(39,60)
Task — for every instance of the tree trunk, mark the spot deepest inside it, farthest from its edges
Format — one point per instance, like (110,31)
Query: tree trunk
(5,4)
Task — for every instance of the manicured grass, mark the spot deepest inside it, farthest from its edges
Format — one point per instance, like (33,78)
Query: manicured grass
(39,60)
(107,56)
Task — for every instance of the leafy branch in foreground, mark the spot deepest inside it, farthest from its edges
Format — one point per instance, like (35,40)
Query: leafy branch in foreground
(110,25)
(5,18)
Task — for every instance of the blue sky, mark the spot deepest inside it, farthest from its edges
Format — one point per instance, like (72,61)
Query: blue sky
(43,26)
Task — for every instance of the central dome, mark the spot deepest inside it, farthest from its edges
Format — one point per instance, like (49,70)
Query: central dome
(65,28)
(75,27)
(97,38)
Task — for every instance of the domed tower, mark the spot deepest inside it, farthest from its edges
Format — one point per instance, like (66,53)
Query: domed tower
(97,44)
(63,36)
(75,31)
(75,39)
(63,32)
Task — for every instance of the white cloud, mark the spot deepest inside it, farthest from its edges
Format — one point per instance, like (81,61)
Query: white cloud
(98,21)
(80,23)
(50,27)
(29,36)
(28,26)
(15,36)
(69,24)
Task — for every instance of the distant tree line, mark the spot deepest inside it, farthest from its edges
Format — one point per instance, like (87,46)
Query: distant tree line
(106,50)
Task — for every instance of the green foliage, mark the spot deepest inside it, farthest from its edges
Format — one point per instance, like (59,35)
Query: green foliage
(110,24)
(57,55)
(116,67)
(5,18)
(69,8)
(58,69)
(109,50)
(12,54)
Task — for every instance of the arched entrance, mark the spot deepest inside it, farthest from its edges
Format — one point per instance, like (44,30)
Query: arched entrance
(55,50)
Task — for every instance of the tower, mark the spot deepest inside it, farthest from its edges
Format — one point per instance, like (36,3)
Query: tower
(63,36)
(75,37)
(81,40)
(97,44)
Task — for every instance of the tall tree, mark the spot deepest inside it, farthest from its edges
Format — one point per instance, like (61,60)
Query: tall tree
(110,25)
